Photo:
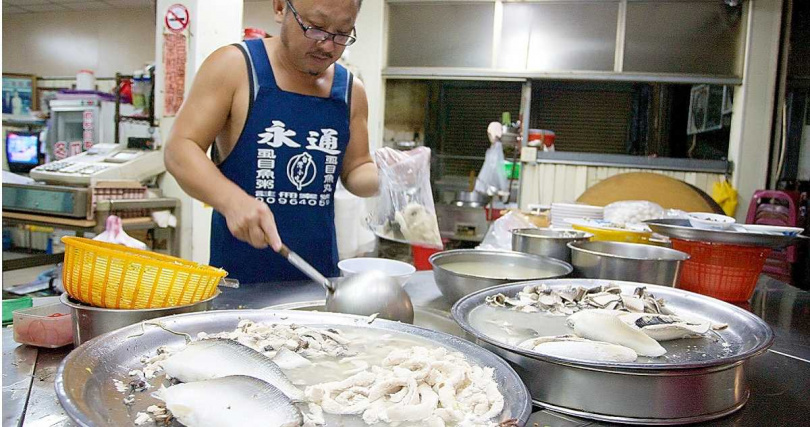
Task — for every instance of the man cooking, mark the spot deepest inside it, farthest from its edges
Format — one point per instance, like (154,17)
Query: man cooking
(284,123)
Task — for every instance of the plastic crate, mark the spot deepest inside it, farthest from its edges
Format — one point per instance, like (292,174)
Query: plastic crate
(726,272)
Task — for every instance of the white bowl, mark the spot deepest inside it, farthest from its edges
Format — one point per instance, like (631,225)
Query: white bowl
(710,221)
(399,270)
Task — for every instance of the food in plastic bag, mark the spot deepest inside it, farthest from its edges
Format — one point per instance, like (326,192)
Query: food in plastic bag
(404,208)
(632,212)
(492,178)
(499,235)
(115,234)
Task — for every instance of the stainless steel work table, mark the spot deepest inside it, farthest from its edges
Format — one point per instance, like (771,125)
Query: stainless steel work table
(779,379)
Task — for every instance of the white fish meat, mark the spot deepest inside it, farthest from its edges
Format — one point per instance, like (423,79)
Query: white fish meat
(233,401)
(288,359)
(216,358)
(573,347)
(607,327)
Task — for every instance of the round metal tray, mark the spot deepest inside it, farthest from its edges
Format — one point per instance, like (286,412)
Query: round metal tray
(424,317)
(681,229)
(84,381)
(698,385)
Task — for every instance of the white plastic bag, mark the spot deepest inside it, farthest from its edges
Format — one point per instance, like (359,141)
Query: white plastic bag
(115,234)
(632,212)
(492,178)
(499,235)
(404,209)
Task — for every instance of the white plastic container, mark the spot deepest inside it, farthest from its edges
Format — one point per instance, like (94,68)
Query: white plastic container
(401,271)
(85,80)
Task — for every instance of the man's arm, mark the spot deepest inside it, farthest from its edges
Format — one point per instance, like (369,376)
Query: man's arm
(359,174)
(203,115)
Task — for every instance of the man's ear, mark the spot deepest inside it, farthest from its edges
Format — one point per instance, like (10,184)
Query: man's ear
(279,7)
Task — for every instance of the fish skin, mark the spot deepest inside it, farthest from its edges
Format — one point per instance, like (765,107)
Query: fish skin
(216,358)
(231,401)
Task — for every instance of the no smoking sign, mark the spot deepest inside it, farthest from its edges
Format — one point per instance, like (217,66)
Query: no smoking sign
(177,18)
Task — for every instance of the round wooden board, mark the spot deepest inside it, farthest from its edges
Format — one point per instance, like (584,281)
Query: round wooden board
(668,192)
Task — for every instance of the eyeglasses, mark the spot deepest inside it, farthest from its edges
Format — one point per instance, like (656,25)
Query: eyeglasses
(315,33)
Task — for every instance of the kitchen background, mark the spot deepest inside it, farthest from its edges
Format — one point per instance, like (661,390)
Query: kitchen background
(615,80)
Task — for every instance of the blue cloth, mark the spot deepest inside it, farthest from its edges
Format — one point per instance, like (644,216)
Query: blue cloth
(289,155)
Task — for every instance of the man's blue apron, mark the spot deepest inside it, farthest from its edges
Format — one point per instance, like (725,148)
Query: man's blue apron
(289,155)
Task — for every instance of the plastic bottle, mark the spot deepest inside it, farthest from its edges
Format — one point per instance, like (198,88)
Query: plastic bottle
(137,91)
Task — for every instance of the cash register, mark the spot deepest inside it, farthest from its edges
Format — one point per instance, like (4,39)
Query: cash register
(102,162)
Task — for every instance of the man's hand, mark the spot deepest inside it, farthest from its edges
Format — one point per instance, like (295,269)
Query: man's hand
(251,221)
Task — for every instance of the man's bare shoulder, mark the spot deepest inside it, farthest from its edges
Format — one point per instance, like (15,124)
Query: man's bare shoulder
(223,65)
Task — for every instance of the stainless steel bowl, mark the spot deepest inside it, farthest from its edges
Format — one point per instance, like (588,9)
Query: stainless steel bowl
(90,322)
(470,199)
(547,241)
(686,386)
(627,261)
(456,285)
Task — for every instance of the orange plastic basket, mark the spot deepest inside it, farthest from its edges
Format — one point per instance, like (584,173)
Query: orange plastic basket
(113,276)
(725,272)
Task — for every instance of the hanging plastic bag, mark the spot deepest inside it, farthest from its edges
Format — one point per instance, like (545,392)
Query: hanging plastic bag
(115,234)
(404,208)
(492,178)
(499,235)
(726,196)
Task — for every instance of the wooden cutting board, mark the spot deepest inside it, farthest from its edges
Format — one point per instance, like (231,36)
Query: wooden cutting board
(668,192)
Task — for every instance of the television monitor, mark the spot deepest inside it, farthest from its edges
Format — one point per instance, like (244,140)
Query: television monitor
(22,151)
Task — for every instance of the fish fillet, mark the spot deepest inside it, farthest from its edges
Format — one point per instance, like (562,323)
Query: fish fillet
(233,401)
(600,326)
(217,358)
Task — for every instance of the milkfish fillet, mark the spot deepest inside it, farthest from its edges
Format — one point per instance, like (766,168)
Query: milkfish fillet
(237,401)
(600,326)
(571,347)
(216,358)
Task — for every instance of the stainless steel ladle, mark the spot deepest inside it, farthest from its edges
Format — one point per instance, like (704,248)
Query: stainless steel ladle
(364,294)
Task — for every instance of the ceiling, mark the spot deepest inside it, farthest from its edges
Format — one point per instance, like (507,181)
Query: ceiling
(12,7)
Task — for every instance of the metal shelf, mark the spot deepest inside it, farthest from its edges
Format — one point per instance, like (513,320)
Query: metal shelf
(150,119)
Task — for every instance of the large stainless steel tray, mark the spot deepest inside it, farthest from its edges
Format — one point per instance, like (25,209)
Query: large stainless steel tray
(424,317)
(681,229)
(84,381)
(691,385)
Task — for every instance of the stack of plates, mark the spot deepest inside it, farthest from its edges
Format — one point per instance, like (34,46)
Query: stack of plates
(560,212)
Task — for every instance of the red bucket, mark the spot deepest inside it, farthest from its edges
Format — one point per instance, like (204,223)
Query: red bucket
(726,272)
(421,256)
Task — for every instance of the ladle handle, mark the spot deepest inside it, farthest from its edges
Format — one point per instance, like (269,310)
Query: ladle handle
(305,267)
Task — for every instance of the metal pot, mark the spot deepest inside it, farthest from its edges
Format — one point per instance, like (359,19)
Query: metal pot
(547,242)
(685,387)
(456,285)
(470,199)
(90,322)
(627,261)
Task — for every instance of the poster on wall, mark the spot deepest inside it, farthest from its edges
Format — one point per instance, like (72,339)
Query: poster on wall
(19,93)
(174,65)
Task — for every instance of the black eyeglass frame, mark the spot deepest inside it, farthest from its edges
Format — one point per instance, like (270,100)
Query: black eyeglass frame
(318,34)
